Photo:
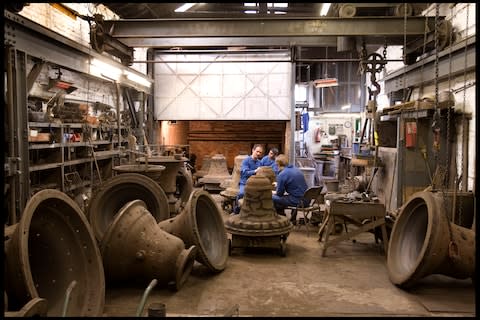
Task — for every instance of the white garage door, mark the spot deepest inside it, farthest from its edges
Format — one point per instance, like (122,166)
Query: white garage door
(223,86)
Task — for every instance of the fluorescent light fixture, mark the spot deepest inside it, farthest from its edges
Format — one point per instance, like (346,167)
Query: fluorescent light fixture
(250,11)
(300,93)
(102,69)
(325,83)
(347,106)
(138,79)
(280,12)
(325,8)
(250,4)
(280,5)
(185,7)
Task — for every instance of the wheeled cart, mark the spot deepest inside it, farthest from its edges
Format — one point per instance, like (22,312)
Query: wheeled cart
(274,242)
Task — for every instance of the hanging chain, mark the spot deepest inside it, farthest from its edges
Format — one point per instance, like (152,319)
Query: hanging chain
(436,115)
(363,58)
(385,50)
(447,160)
(460,211)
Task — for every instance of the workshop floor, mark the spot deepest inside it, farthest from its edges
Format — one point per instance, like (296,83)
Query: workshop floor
(351,280)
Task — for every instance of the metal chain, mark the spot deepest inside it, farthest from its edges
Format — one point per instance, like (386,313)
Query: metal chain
(436,115)
(363,58)
(385,50)
(435,124)
(447,159)
(460,211)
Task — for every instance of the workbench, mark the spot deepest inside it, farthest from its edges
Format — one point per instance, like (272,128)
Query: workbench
(365,215)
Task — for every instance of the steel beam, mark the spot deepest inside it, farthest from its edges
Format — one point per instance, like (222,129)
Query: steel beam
(264,27)
(168,42)
(411,75)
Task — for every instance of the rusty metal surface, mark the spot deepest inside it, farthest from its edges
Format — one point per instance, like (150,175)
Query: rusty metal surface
(258,217)
(424,242)
(134,248)
(51,246)
(201,224)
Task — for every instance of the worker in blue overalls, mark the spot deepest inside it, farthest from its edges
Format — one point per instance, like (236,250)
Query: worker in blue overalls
(291,185)
(248,168)
(269,160)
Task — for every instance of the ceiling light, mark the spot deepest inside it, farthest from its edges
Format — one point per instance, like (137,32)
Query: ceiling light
(185,7)
(347,106)
(105,70)
(280,5)
(280,12)
(138,79)
(250,4)
(325,83)
(250,11)
(325,8)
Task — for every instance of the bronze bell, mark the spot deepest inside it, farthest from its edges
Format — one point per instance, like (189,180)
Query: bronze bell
(217,173)
(135,248)
(201,224)
(205,167)
(233,189)
(423,242)
(258,224)
(51,247)
(168,179)
(119,190)
(152,171)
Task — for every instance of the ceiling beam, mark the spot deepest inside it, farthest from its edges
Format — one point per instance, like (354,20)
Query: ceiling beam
(312,41)
(367,27)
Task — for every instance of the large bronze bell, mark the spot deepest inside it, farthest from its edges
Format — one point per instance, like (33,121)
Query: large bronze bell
(217,173)
(119,190)
(258,224)
(168,180)
(52,246)
(135,249)
(201,224)
(423,242)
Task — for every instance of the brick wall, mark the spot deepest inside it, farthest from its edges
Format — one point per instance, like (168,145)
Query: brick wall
(229,138)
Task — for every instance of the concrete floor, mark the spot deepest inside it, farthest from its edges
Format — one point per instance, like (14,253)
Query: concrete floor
(351,280)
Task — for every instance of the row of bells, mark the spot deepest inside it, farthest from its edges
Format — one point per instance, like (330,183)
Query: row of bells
(130,237)
(126,235)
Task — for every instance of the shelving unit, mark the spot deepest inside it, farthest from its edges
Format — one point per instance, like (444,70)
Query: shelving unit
(76,155)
